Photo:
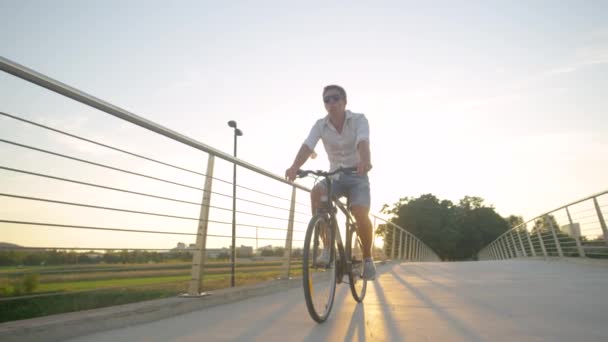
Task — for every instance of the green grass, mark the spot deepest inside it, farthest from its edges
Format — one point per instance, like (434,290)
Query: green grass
(97,284)
(43,306)
(132,286)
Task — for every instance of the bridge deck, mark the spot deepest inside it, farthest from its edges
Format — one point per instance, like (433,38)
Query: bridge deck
(466,301)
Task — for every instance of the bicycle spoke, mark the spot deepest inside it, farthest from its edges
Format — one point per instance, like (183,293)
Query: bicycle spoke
(358,285)
(319,274)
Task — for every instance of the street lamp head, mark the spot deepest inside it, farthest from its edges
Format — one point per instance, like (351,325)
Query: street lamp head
(232,123)
(239,132)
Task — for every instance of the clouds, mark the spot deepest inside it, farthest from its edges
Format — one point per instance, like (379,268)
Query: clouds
(593,53)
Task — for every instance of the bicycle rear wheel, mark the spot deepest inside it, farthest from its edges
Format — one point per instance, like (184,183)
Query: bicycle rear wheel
(319,278)
(354,253)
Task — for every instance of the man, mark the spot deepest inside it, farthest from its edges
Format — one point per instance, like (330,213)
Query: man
(345,136)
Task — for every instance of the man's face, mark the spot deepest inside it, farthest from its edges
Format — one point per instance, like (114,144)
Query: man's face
(334,102)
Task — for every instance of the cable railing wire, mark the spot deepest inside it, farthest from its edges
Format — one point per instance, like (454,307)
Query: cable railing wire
(70,226)
(84,248)
(144,194)
(134,154)
(101,144)
(98,164)
(137,193)
(125,210)
(99,186)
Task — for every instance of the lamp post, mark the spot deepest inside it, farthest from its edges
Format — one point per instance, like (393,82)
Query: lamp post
(237,133)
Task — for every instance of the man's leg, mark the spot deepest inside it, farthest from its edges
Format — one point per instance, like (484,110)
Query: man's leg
(364,229)
(315,202)
(315,197)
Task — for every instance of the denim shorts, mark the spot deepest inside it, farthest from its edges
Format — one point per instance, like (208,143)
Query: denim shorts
(354,187)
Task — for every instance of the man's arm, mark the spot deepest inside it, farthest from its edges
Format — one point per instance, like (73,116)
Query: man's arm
(365,163)
(301,158)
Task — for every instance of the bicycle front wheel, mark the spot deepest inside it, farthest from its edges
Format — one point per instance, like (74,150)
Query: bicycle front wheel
(319,268)
(354,253)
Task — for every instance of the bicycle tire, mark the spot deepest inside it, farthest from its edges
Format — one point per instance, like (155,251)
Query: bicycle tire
(354,254)
(319,295)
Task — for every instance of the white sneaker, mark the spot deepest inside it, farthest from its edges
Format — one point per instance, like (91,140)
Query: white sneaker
(323,259)
(369,269)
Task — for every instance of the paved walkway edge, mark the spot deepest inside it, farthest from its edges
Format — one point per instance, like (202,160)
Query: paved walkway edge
(69,325)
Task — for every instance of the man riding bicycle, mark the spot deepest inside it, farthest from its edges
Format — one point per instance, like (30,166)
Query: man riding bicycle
(345,136)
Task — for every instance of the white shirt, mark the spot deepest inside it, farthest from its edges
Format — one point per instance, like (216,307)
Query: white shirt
(341,148)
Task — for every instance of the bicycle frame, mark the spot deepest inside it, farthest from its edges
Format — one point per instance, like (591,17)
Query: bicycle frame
(330,207)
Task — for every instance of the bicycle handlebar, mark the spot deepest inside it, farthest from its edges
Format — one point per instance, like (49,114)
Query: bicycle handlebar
(304,173)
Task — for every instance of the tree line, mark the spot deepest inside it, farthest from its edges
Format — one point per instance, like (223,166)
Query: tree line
(62,257)
(455,231)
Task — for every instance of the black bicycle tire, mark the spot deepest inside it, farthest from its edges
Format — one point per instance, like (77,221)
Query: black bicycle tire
(358,297)
(305,276)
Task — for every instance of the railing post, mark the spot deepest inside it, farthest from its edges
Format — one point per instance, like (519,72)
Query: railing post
(393,243)
(289,237)
(513,244)
(521,244)
(417,250)
(601,218)
(577,236)
(412,251)
(557,244)
(529,240)
(501,248)
(506,253)
(497,251)
(408,248)
(200,254)
(400,244)
(403,240)
(542,243)
(506,247)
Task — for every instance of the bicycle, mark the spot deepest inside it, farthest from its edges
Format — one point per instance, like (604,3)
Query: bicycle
(323,235)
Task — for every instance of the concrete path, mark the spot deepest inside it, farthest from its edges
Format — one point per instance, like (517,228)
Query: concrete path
(520,300)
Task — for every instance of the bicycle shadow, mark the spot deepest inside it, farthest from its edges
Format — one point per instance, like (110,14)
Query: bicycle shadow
(323,331)
(389,321)
(357,324)
(361,325)
(452,321)
(269,319)
(465,297)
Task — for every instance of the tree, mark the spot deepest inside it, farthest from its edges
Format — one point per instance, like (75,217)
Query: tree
(454,232)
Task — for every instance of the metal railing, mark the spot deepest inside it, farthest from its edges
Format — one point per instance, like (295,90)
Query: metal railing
(577,229)
(151,201)
(400,244)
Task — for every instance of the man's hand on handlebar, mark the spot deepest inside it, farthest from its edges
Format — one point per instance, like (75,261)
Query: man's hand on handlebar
(291,173)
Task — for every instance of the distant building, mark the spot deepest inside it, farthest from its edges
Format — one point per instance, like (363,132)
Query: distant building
(244,251)
(94,255)
(573,230)
(265,248)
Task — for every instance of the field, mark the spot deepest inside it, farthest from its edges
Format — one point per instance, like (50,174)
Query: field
(80,287)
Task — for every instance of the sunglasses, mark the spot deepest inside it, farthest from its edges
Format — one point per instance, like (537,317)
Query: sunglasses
(330,98)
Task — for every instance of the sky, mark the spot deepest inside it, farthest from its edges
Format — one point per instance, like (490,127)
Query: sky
(498,99)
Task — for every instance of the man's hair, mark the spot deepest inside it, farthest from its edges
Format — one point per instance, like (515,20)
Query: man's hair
(336,87)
